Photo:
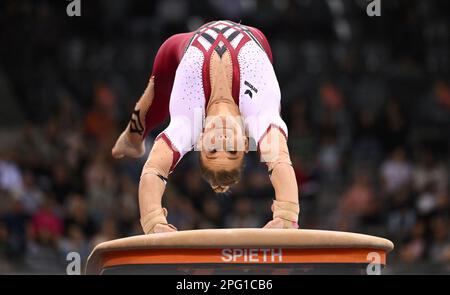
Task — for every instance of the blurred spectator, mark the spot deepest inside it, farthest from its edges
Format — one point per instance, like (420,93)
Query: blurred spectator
(194,187)
(45,224)
(427,199)
(61,181)
(401,216)
(78,215)
(258,183)
(75,241)
(31,195)
(414,249)
(100,185)
(213,217)
(16,223)
(367,148)
(182,212)
(394,126)
(396,171)
(358,201)
(430,172)
(42,254)
(127,205)
(100,122)
(10,176)
(242,215)
(108,231)
(5,265)
(329,156)
(443,94)
(440,250)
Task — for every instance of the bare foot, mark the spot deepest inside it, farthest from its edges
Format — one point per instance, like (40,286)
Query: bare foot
(164,228)
(124,147)
(279,223)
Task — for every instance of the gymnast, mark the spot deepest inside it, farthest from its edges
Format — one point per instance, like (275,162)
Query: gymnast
(219,87)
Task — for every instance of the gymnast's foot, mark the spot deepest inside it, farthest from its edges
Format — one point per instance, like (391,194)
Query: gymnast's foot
(278,223)
(126,147)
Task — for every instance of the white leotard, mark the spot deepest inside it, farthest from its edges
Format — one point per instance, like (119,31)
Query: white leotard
(259,96)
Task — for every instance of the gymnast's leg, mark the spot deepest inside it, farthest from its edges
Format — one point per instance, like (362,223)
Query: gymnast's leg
(131,142)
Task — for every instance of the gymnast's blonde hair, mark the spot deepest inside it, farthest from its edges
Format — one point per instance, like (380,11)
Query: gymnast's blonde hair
(221,180)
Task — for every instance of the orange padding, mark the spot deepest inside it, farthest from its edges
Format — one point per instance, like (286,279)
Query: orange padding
(241,255)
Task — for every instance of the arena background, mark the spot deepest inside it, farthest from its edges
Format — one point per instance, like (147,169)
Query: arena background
(366,99)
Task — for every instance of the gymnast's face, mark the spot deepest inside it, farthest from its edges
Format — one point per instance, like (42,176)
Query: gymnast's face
(223,143)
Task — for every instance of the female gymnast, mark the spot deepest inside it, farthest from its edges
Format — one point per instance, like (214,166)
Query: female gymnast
(219,87)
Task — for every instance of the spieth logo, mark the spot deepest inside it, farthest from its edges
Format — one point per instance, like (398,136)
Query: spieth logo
(74,8)
(252,255)
(374,8)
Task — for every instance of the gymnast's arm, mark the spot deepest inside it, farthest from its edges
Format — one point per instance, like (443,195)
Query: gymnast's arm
(275,153)
(153,177)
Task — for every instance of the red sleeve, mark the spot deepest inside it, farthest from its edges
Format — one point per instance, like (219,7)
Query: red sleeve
(263,40)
